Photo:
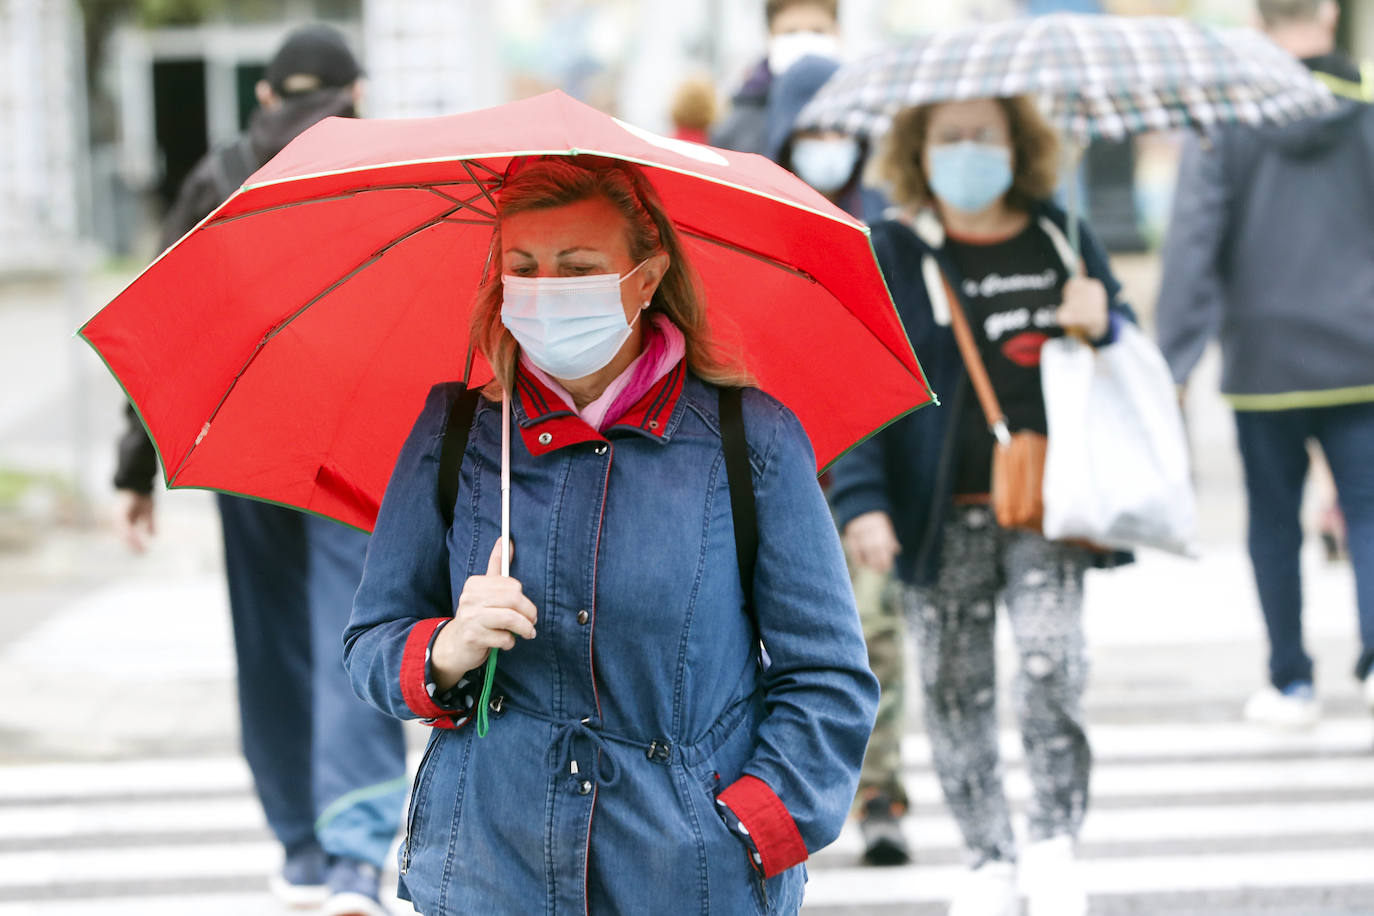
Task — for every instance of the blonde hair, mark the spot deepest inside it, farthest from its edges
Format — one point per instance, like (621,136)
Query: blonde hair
(1035,154)
(556,181)
(694,104)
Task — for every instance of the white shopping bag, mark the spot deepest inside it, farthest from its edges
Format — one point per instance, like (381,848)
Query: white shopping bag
(1116,470)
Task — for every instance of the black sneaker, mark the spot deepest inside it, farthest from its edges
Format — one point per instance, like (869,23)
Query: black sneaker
(884,843)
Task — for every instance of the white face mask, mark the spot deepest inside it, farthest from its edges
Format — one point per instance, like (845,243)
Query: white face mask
(825,164)
(786,49)
(570,327)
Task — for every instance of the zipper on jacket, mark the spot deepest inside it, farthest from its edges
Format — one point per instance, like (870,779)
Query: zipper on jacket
(435,737)
(591,667)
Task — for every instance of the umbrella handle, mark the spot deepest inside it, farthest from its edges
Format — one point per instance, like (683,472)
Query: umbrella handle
(489,675)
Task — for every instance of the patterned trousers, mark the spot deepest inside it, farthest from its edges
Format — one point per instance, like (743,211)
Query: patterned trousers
(1041,584)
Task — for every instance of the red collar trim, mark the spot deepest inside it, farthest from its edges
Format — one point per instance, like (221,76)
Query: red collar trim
(547,424)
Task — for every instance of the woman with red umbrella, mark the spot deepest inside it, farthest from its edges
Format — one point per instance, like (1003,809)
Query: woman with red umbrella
(658,759)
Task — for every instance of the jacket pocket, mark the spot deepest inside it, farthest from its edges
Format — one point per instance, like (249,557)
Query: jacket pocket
(712,785)
(418,798)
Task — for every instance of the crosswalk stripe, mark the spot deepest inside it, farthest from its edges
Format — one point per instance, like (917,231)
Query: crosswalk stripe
(1221,779)
(1140,743)
(171,905)
(58,867)
(1274,822)
(74,819)
(1311,868)
(1210,739)
(171,775)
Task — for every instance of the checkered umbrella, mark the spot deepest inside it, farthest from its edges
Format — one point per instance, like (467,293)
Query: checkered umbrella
(1099,76)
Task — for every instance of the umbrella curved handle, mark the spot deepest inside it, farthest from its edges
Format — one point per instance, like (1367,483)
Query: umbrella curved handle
(489,674)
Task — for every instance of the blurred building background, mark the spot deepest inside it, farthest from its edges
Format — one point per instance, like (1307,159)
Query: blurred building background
(106,104)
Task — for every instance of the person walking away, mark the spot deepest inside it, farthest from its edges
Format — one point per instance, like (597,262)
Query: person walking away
(639,755)
(833,163)
(1269,250)
(329,770)
(796,29)
(975,232)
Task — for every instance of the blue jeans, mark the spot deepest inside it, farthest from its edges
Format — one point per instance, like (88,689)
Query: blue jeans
(328,768)
(1273,448)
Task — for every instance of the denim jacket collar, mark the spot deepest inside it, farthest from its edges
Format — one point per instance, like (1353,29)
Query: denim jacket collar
(547,425)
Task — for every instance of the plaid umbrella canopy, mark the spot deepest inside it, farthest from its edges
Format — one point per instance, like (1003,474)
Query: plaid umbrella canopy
(1099,76)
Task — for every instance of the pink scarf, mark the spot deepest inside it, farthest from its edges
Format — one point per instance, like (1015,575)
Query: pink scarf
(664,348)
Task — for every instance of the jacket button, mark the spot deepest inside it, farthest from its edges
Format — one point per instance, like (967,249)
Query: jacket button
(583,617)
(584,787)
(601,449)
(545,438)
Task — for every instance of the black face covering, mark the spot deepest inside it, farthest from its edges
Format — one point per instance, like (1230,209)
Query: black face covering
(272,128)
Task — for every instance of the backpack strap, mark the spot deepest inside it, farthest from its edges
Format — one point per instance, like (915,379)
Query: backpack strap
(462,406)
(741,479)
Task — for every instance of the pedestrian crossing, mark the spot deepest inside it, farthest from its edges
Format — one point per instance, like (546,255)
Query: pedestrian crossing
(1186,817)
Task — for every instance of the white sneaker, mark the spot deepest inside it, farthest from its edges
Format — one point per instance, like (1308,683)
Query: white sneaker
(989,890)
(1295,707)
(1369,690)
(1052,879)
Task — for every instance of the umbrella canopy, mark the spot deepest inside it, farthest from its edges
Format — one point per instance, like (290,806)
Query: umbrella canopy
(282,348)
(1099,76)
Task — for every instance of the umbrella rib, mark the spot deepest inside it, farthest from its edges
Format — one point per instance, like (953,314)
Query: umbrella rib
(465,203)
(758,256)
(488,169)
(433,189)
(267,338)
(481,186)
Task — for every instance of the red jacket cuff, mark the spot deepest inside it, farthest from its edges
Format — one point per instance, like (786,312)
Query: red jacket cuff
(413,664)
(775,834)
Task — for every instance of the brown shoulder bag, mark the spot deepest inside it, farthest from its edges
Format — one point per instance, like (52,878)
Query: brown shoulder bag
(1018,459)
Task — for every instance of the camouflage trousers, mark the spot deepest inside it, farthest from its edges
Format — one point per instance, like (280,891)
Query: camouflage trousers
(879,597)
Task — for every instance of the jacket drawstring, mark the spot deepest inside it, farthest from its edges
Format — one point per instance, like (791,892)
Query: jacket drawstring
(586,728)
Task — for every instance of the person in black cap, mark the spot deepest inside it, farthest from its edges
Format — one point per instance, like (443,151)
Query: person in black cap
(329,770)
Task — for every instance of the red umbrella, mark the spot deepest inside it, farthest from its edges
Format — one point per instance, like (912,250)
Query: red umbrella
(282,349)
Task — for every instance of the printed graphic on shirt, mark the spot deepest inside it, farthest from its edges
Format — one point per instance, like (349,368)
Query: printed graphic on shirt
(1012,291)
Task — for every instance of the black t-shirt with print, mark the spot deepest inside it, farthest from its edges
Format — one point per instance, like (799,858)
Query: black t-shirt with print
(1011,291)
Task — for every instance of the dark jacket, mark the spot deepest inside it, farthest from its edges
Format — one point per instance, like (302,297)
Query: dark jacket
(790,93)
(906,470)
(216,176)
(1271,249)
(745,128)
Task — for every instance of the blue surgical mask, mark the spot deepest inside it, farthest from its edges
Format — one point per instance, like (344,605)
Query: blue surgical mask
(970,176)
(825,164)
(570,327)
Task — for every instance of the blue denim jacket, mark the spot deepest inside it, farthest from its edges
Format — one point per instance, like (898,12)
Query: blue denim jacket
(641,700)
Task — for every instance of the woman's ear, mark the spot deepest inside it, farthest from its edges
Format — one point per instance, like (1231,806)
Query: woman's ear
(653,274)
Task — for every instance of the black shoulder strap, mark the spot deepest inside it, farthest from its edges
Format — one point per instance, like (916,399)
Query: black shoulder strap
(461,407)
(741,479)
(738,473)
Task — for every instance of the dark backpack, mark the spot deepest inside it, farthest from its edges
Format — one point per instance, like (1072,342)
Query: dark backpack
(463,405)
